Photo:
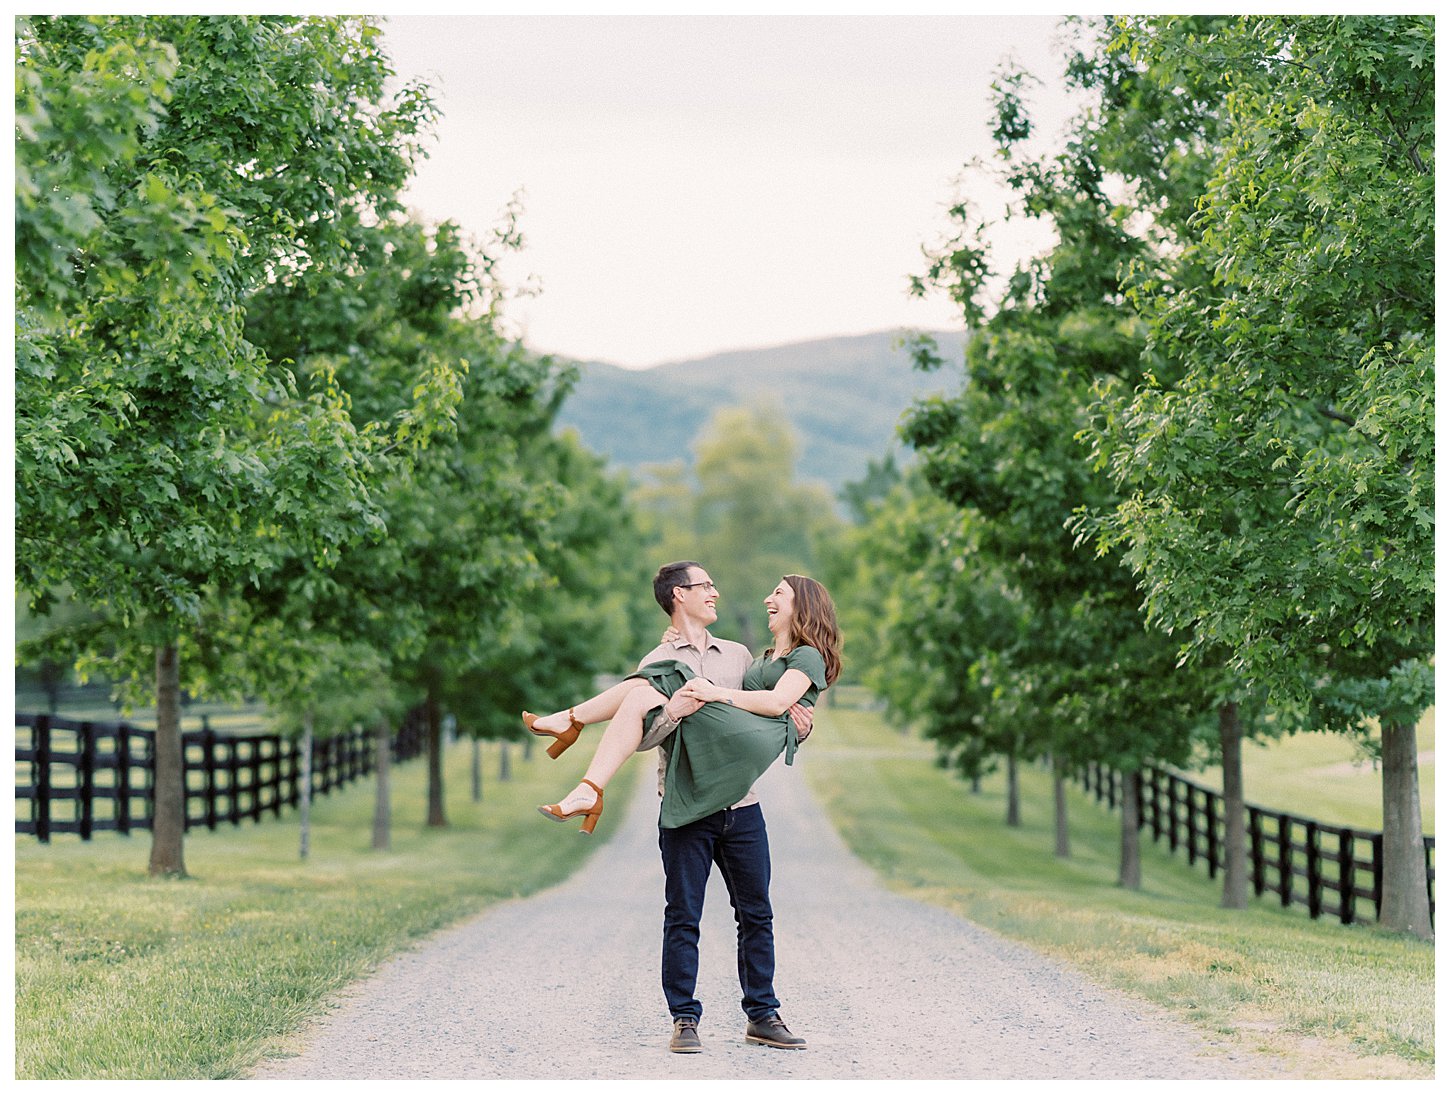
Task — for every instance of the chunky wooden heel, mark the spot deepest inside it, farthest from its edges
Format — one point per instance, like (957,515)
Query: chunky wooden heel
(562,739)
(591,814)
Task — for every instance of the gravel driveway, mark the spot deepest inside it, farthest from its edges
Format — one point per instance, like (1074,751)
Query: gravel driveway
(565,985)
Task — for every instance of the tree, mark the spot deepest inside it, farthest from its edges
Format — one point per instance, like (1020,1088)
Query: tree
(592,612)
(1005,449)
(1277,492)
(166,167)
(744,516)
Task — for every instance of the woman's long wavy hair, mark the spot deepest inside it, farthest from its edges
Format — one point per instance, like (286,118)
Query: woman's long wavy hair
(813,622)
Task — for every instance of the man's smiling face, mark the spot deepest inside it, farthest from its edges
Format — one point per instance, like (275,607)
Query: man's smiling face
(699,596)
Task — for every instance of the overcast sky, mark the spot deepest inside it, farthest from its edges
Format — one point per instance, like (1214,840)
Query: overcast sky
(695,184)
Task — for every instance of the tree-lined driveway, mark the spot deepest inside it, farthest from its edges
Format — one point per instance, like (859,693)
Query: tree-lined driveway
(565,985)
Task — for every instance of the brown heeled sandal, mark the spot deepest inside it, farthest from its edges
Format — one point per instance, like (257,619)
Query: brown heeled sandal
(563,739)
(591,815)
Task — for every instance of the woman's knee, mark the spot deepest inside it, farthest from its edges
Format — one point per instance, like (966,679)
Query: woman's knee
(644,699)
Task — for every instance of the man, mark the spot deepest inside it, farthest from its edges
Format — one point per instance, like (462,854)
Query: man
(733,839)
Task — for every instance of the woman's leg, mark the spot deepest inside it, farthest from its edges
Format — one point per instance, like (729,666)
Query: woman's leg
(623,734)
(616,745)
(594,709)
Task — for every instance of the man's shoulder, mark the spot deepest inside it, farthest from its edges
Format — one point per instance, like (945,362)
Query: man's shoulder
(662,653)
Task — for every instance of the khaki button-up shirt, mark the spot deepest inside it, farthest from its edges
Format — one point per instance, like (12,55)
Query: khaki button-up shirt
(723,662)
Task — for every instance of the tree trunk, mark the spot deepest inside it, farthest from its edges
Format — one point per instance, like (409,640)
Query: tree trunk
(1014,799)
(437,819)
(1059,812)
(304,804)
(1405,906)
(477,770)
(505,763)
(1235,821)
(168,822)
(1130,859)
(382,803)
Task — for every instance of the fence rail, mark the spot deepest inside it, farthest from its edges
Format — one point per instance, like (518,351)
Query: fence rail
(82,776)
(1328,869)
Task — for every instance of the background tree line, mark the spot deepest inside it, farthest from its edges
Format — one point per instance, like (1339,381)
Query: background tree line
(268,433)
(1184,493)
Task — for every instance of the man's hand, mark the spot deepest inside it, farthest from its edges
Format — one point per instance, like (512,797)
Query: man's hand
(803,717)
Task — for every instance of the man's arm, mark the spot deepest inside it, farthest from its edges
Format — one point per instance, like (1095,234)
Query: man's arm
(668,721)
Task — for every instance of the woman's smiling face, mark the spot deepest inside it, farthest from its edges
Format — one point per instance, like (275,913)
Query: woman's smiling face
(780,608)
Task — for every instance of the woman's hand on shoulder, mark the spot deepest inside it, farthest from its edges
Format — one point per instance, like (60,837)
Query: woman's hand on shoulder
(671,635)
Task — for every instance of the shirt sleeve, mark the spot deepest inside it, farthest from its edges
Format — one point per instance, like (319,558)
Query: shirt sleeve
(809,661)
(662,727)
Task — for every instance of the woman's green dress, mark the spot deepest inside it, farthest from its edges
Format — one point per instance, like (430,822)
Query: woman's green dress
(718,753)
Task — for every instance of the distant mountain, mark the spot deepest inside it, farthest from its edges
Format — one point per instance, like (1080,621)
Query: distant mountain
(843,396)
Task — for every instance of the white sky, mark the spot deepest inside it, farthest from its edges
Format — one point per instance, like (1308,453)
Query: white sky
(694,184)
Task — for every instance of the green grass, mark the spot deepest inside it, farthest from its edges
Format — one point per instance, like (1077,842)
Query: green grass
(121,976)
(1328,1000)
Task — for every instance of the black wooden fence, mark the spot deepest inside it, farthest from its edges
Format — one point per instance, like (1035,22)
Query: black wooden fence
(1328,869)
(79,776)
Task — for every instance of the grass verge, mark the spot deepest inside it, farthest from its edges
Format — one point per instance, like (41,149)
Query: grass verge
(122,976)
(1321,999)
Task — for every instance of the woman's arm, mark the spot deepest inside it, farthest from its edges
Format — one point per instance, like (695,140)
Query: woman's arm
(776,701)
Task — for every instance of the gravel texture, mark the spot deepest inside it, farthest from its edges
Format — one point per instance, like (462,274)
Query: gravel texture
(565,985)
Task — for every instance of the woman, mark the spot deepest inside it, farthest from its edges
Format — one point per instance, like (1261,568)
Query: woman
(723,748)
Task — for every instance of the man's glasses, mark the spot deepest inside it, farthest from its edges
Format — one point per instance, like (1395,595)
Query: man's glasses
(697,585)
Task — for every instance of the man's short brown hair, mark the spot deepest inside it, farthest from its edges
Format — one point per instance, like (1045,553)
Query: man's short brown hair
(669,578)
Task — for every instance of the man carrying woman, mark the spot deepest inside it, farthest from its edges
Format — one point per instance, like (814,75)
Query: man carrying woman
(720,719)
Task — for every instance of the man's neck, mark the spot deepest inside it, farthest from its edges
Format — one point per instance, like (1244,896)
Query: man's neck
(693,632)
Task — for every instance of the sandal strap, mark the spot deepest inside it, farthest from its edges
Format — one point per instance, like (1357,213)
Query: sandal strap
(594,785)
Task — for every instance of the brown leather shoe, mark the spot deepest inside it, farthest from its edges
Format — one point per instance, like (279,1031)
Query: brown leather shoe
(770,1031)
(686,1038)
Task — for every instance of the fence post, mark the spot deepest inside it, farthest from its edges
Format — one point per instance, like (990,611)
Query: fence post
(294,773)
(255,767)
(1286,860)
(234,798)
(123,778)
(1428,843)
(1256,849)
(278,776)
(1210,801)
(1155,802)
(148,767)
(1192,823)
(1313,867)
(1346,876)
(1377,858)
(208,769)
(41,801)
(1173,813)
(86,740)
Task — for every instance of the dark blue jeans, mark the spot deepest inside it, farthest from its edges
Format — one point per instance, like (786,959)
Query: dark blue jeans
(734,841)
